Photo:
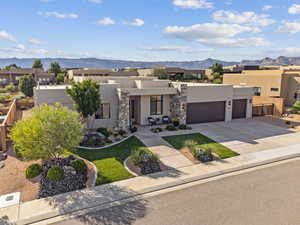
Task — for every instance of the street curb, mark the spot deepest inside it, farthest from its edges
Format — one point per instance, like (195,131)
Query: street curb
(177,182)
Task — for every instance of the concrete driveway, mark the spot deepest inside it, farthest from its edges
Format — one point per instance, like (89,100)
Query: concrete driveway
(244,136)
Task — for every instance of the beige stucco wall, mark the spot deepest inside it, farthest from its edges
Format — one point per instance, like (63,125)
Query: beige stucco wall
(108,93)
(278,103)
(145,72)
(152,83)
(145,109)
(290,85)
(265,79)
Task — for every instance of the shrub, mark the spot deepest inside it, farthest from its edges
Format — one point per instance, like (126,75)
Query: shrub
(55,173)
(171,128)
(133,129)
(202,155)
(33,171)
(191,144)
(175,122)
(79,165)
(106,132)
(156,130)
(108,141)
(10,88)
(296,107)
(122,132)
(137,155)
(3,98)
(217,81)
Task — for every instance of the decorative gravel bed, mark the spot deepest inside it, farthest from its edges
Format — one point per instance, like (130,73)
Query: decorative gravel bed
(72,180)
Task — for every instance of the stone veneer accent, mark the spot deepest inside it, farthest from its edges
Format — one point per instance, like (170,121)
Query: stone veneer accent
(178,103)
(123,118)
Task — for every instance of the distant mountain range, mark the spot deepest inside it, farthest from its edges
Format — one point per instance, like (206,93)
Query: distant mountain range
(113,64)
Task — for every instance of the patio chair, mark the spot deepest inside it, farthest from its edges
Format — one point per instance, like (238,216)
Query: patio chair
(165,119)
(151,121)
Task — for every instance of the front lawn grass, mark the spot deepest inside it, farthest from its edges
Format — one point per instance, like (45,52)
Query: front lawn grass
(109,161)
(179,142)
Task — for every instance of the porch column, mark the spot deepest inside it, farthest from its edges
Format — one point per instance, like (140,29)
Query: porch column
(123,117)
(179,103)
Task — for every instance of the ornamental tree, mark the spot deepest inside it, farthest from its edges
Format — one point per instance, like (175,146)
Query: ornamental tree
(47,133)
(26,85)
(37,64)
(86,96)
(54,68)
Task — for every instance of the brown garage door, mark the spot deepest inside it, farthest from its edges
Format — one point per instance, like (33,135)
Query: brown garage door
(239,108)
(205,112)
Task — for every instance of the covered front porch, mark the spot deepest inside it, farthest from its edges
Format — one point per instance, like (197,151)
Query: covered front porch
(138,106)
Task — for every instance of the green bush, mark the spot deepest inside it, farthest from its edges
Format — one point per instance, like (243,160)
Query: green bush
(170,128)
(10,88)
(175,122)
(3,98)
(33,171)
(217,81)
(106,132)
(156,130)
(202,155)
(79,165)
(55,173)
(137,155)
(296,107)
(122,132)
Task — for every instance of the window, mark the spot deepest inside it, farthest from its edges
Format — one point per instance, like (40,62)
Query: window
(257,91)
(156,105)
(104,112)
(274,89)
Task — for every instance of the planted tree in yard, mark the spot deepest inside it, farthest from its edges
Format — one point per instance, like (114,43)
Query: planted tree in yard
(160,72)
(37,64)
(26,85)
(47,133)
(60,78)
(54,68)
(217,68)
(11,66)
(296,107)
(86,96)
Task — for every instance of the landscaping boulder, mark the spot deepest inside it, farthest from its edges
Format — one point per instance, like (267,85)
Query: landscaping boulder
(148,164)
(72,180)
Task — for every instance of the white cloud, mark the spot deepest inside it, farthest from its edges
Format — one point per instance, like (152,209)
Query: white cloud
(6,36)
(290,27)
(95,1)
(34,41)
(249,18)
(214,34)
(294,9)
(193,4)
(206,30)
(173,48)
(235,42)
(59,15)
(267,7)
(106,21)
(137,22)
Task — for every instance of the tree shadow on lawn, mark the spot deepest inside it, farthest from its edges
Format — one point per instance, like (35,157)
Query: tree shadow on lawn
(102,196)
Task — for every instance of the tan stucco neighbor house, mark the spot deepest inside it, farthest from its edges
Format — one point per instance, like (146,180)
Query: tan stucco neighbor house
(279,87)
(132,100)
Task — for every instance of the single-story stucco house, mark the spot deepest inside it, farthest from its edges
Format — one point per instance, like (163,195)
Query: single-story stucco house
(132,100)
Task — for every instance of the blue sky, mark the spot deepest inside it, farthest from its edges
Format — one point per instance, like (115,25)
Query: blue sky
(150,30)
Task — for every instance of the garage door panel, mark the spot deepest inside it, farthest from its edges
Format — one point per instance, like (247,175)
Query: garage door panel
(239,108)
(205,112)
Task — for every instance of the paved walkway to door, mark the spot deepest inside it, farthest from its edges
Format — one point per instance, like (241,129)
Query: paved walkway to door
(169,156)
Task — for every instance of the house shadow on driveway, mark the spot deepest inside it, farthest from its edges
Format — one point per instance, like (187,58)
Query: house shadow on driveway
(100,205)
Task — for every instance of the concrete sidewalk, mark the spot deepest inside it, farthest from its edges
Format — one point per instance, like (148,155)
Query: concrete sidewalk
(72,202)
(169,156)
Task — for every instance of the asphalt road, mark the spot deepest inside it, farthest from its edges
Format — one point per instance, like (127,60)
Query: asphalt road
(269,196)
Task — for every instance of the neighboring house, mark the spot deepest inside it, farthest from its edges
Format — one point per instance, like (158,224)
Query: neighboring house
(174,73)
(132,100)
(98,72)
(14,74)
(270,86)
